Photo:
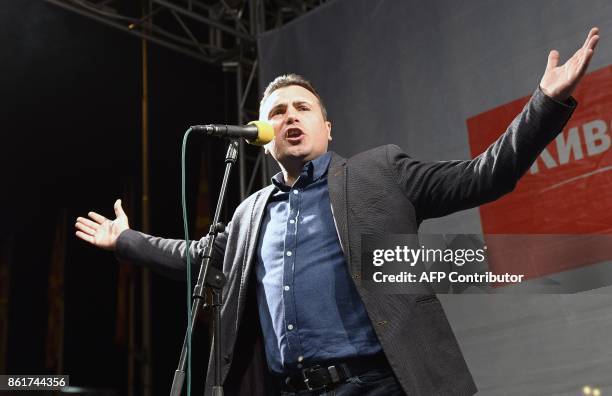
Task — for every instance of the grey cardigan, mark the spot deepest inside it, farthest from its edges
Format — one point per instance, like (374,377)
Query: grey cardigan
(381,191)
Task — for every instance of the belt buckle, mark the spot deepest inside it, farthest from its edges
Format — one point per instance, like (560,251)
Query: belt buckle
(305,375)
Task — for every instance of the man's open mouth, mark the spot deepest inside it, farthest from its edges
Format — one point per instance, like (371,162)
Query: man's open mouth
(293,133)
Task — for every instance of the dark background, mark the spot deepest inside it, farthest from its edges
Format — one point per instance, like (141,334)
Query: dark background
(71,121)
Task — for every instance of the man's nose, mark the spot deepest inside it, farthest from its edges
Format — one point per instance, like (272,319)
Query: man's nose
(292,116)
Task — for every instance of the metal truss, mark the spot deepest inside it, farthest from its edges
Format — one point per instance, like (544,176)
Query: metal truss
(212,31)
(218,32)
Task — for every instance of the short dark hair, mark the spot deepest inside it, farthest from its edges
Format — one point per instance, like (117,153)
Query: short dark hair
(287,80)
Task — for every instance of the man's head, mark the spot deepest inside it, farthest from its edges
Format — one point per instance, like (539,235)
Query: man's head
(295,110)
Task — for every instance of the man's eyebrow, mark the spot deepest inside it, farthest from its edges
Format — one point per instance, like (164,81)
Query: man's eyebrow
(301,102)
(278,106)
(294,103)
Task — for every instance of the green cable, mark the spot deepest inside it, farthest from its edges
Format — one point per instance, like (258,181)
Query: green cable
(187,250)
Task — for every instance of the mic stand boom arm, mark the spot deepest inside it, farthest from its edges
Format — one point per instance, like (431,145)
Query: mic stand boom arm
(213,278)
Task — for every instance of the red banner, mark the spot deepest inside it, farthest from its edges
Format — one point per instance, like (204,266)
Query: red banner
(568,190)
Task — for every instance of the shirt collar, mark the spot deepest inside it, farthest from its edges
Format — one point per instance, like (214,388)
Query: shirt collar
(312,170)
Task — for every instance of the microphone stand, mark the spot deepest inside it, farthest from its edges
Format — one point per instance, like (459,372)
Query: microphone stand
(215,280)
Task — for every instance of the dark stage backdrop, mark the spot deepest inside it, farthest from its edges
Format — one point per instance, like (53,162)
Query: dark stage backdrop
(438,78)
(70,93)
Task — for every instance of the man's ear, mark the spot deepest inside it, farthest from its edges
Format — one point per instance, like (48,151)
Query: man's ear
(328,125)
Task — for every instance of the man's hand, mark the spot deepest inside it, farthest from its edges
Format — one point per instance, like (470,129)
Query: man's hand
(559,82)
(102,232)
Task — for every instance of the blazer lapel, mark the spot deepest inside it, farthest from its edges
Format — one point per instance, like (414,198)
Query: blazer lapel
(257,212)
(336,182)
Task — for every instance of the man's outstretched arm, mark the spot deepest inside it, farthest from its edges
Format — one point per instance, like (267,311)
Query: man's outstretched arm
(439,188)
(167,256)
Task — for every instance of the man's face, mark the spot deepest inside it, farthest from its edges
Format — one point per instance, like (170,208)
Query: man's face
(300,132)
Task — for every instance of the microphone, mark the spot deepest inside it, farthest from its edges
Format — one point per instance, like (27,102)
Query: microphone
(256,133)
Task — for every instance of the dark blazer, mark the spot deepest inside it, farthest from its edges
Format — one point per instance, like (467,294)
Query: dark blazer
(381,191)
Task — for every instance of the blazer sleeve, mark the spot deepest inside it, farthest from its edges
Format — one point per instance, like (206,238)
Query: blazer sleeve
(440,188)
(167,256)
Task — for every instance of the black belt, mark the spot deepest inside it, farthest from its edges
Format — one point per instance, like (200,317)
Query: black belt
(331,374)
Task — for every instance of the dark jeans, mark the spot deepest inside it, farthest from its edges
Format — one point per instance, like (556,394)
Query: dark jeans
(376,382)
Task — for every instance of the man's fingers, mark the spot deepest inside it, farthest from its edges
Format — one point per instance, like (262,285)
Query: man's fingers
(98,218)
(553,60)
(85,237)
(592,33)
(593,42)
(118,209)
(88,223)
(584,64)
(86,229)
(587,54)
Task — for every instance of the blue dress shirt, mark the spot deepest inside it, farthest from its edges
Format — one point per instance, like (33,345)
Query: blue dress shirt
(309,308)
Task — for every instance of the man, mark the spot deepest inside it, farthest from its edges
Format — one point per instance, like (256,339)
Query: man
(295,316)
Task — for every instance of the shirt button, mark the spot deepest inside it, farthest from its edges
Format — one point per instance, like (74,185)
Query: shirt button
(286,288)
(289,253)
(290,327)
(295,191)
(291,221)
